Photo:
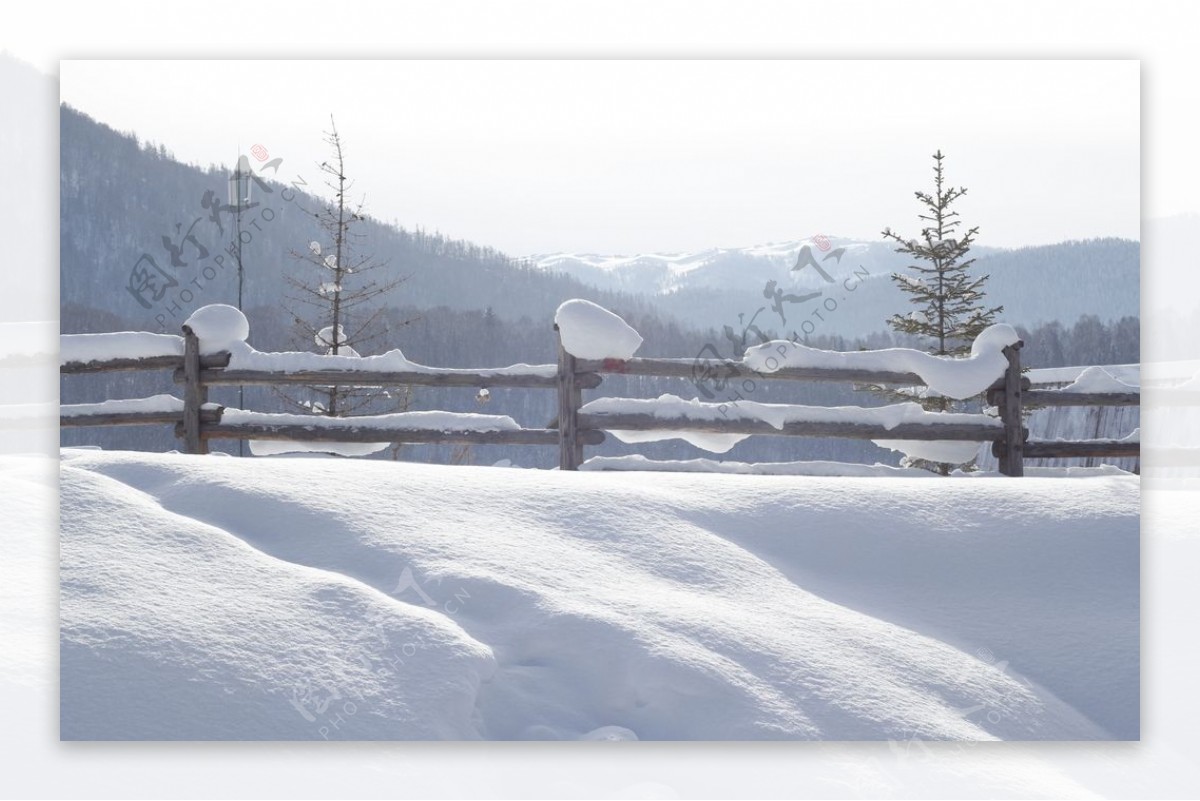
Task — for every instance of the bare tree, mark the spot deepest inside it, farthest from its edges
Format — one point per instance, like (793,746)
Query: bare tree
(335,297)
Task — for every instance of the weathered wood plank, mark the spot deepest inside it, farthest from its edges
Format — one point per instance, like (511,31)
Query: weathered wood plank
(1080,449)
(570,450)
(1011,456)
(207,362)
(695,369)
(363,378)
(299,433)
(1050,397)
(975,432)
(133,418)
(194,394)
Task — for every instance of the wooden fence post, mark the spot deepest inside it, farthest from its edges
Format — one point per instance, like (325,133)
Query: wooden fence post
(1012,447)
(195,394)
(570,398)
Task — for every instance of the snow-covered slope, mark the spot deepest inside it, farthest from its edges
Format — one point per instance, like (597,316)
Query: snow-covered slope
(209,597)
(717,268)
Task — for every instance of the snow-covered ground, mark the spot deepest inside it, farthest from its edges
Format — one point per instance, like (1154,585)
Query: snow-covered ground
(308,598)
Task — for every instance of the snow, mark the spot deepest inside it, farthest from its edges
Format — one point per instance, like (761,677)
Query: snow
(277,447)
(386,424)
(638,462)
(672,407)
(704,440)
(245,357)
(940,450)
(155,403)
(954,378)
(1132,436)
(589,331)
(218,326)
(398,421)
(290,599)
(84,348)
(1098,379)
(810,468)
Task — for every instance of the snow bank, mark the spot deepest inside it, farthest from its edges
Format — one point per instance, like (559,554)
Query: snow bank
(182,631)
(211,598)
(84,348)
(218,326)
(1098,379)
(589,331)
(954,378)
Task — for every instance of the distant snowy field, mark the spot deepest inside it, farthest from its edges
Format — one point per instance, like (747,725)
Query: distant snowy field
(310,598)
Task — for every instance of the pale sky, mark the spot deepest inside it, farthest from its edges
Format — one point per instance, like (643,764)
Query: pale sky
(639,156)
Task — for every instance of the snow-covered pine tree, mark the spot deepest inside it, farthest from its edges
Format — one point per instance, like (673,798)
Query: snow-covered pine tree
(950,309)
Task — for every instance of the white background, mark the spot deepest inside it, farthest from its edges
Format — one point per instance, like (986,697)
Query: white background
(1161,35)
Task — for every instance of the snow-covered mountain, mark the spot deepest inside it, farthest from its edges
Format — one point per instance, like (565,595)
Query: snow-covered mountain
(719,268)
(719,286)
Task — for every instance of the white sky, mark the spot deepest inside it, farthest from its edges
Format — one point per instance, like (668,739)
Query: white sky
(632,156)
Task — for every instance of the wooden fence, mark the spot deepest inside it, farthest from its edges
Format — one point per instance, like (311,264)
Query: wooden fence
(197,422)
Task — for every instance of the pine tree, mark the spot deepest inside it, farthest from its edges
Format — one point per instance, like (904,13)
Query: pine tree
(950,304)
(950,309)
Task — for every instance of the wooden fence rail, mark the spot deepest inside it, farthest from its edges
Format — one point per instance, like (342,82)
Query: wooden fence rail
(199,422)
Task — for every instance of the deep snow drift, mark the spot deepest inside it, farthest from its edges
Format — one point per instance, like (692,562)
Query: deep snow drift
(308,598)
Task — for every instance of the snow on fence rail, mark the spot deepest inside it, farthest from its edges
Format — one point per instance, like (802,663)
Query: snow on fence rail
(210,354)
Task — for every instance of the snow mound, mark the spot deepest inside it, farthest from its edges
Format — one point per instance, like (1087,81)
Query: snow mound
(215,598)
(218,326)
(704,440)
(954,378)
(939,450)
(589,331)
(1098,379)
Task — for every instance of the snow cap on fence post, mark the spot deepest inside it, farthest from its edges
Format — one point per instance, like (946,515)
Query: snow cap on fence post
(218,326)
(590,331)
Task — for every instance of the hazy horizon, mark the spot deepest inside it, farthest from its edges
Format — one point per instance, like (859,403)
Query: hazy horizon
(628,157)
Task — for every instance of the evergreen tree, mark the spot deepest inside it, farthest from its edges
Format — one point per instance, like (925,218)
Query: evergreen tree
(950,309)
(950,304)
